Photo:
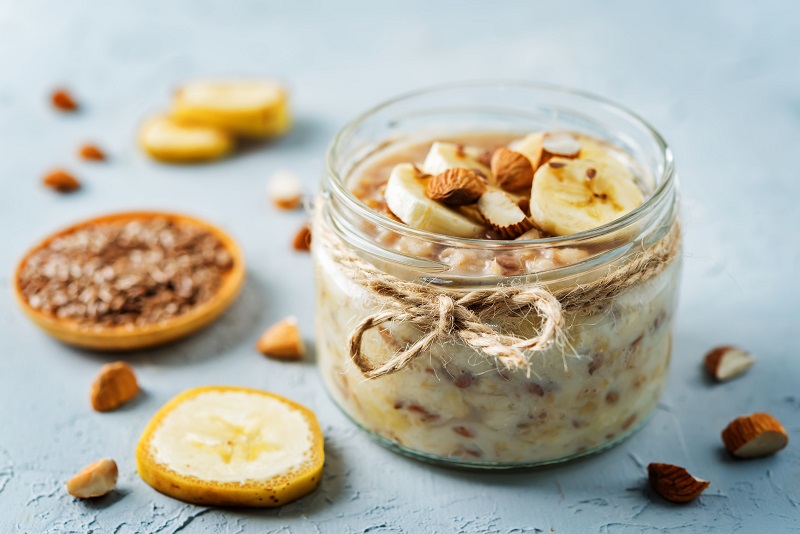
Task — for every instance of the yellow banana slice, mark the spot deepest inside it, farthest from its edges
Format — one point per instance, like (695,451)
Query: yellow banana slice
(247,108)
(406,197)
(575,195)
(443,156)
(230,446)
(168,140)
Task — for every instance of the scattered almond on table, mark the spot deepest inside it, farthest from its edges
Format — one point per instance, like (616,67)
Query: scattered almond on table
(61,181)
(282,340)
(674,483)
(302,239)
(754,435)
(92,153)
(285,190)
(94,480)
(114,385)
(726,363)
(62,100)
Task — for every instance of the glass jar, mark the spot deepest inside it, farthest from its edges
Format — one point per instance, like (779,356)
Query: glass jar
(554,383)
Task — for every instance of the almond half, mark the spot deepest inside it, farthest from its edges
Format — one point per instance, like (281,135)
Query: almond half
(456,187)
(561,145)
(511,170)
(114,386)
(94,480)
(282,340)
(754,435)
(503,215)
(61,181)
(725,363)
(674,483)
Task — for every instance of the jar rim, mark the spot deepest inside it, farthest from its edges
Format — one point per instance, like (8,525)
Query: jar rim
(665,182)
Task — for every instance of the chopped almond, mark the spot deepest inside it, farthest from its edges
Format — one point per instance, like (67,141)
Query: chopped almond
(559,145)
(61,181)
(114,386)
(94,480)
(726,363)
(675,483)
(754,435)
(282,340)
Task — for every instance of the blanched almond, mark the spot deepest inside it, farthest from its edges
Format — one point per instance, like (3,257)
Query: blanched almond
(725,363)
(754,435)
(503,214)
(94,480)
(282,340)
(674,483)
(456,187)
(511,170)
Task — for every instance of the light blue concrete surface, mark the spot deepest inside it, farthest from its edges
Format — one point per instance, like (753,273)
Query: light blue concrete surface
(719,79)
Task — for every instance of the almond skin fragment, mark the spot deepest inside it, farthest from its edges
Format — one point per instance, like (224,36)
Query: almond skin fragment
(94,480)
(282,340)
(675,483)
(754,435)
(62,100)
(91,152)
(511,170)
(61,181)
(114,386)
(726,363)
(302,239)
(456,187)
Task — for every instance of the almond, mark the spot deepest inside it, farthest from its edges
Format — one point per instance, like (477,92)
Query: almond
(285,190)
(675,483)
(114,386)
(503,215)
(511,170)
(725,363)
(61,181)
(62,100)
(754,435)
(94,480)
(558,144)
(302,239)
(91,152)
(282,340)
(507,266)
(456,187)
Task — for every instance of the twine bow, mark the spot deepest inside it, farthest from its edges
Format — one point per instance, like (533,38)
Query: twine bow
(443,315)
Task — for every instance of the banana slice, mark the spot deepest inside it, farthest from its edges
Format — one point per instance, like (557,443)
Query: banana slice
(167,140)
(230,446)
(252,108)
(443,156)
(575,195)
(529,146)
(405,196)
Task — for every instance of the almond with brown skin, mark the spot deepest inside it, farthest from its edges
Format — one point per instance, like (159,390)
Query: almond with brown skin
(61,181)
(674,483)
(114,386)
(282,340)
(302,239)
(456,187)
(725,363)
(94,480)
(62,100)
(503,215)
(511,170)
(561,145)
(91,152)
(754,435)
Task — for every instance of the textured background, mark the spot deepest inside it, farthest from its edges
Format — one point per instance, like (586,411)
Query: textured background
(719,79)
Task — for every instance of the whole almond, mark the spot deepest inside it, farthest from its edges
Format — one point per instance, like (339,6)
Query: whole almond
(674,483)
(94,480)
(114,386)
(511,170)
(456,187)
(302,239)
(754,435)
(61,181)
(91,152)
(62,100)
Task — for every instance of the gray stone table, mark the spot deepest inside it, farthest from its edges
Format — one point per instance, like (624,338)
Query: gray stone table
(719,79)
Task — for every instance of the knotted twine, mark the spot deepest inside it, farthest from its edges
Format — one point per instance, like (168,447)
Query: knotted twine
(443,314)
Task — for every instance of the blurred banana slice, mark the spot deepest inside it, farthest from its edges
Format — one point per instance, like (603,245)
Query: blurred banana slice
(575,195)
(443,156)
(406,197)
(246,108)
(168,140)
(231,446)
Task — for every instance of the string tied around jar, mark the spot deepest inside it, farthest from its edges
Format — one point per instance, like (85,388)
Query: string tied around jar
(445,315)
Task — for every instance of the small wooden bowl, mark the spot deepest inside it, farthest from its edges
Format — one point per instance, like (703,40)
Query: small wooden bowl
(123,338)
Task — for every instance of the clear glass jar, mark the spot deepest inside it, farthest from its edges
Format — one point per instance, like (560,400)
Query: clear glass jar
(454,404)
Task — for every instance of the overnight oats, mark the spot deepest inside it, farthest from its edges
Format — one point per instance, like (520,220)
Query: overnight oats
(497,271)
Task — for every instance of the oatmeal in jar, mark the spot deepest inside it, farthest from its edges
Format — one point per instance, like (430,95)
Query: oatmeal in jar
(497,298)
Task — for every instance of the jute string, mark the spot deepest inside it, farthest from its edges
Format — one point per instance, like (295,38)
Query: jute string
(443,314)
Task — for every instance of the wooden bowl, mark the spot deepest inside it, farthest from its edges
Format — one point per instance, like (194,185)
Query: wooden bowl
(123,338)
